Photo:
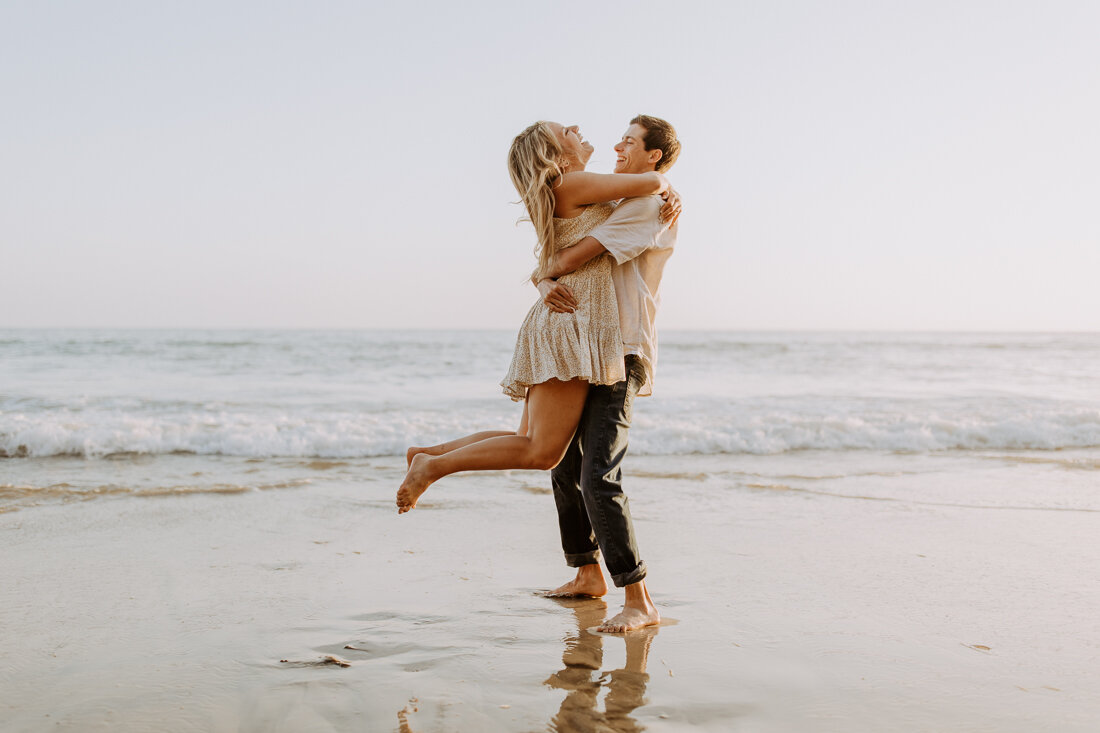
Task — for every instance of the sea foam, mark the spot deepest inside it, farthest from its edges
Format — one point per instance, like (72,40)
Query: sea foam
(349,394)
(723,427)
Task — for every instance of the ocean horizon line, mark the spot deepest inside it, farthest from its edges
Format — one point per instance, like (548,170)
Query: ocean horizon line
(505,329)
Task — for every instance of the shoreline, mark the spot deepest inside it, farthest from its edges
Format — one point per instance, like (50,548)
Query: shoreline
(855,606)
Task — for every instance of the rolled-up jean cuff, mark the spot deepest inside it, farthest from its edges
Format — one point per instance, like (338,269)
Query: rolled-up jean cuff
(624,579)
(585,558)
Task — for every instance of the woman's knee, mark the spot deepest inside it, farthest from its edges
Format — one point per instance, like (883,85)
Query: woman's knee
(544,457)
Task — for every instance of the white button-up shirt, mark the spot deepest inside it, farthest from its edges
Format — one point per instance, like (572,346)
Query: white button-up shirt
(641,245)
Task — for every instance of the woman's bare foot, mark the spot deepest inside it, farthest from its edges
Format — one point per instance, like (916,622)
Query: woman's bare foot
(416,450)
(638,611)
(589,583)
(416,482)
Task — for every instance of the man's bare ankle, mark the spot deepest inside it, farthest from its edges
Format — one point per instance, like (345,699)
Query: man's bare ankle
(637,596)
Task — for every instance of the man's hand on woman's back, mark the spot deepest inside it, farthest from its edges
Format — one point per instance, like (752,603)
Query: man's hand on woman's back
(558,297)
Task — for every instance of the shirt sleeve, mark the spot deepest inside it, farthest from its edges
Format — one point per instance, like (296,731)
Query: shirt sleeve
(631,229)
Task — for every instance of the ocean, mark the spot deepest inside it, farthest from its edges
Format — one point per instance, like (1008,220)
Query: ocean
(76,405)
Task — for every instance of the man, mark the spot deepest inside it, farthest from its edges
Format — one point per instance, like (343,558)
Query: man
(593,512)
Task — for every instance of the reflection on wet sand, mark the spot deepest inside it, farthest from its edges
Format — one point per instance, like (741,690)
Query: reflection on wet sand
(582,679)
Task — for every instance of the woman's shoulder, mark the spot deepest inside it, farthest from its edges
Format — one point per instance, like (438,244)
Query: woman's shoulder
(571,191)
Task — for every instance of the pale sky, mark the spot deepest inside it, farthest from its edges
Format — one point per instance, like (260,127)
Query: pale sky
(845,165)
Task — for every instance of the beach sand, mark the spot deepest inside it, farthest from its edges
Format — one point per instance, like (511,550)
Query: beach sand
(924,593)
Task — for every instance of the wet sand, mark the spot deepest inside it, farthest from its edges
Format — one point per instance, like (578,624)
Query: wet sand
(801,602)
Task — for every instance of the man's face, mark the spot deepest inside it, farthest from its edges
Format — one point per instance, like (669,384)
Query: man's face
(631,155)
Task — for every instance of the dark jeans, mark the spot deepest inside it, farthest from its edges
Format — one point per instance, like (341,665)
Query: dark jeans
(593,512)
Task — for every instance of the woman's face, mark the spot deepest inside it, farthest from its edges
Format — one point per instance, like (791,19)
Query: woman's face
(574,148)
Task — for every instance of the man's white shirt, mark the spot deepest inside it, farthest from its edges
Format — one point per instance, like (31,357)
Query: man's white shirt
(641,245)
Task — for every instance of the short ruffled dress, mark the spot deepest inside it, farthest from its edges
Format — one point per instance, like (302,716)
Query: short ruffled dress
(586,343)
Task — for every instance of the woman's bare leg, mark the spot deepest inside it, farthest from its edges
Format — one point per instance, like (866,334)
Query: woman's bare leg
(552,412)
(450,445)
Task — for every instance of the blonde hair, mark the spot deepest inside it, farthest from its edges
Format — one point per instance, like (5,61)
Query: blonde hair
(533,164)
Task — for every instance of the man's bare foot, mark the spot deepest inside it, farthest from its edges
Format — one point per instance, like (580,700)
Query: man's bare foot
(589,583)
(638,611)
(416,482)
(630,619)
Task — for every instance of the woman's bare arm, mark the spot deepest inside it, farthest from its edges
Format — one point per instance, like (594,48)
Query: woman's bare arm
(583,188)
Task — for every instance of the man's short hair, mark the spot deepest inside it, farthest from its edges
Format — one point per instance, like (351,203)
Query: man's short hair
(659,134)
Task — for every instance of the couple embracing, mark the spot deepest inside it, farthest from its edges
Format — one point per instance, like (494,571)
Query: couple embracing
(587,347)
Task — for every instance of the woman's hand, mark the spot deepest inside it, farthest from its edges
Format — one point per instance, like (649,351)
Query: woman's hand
(670,212)
(557,297)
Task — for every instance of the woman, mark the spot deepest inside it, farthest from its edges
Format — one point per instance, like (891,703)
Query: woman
(557,354)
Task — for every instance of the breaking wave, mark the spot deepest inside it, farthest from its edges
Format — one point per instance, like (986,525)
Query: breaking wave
(729,426)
